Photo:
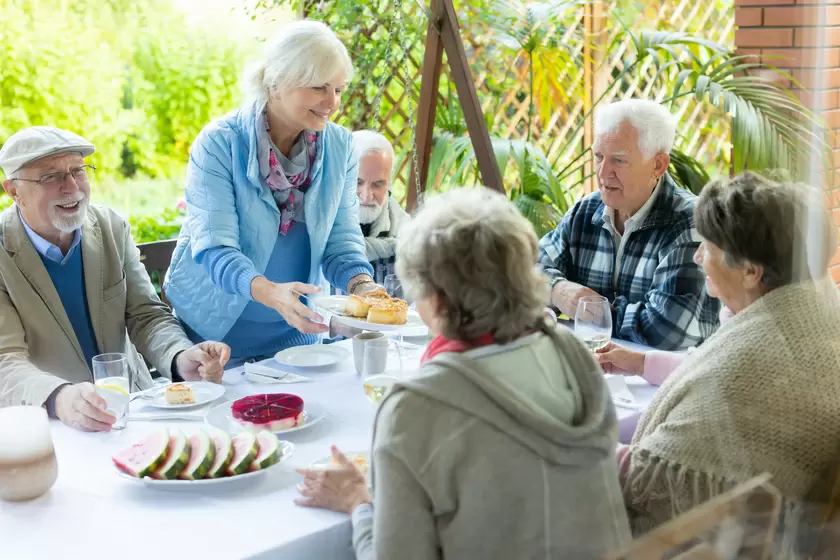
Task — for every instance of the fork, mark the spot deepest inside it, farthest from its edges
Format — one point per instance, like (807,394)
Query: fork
(275,377)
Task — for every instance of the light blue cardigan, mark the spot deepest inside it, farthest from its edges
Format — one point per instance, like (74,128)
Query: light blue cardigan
(228,205)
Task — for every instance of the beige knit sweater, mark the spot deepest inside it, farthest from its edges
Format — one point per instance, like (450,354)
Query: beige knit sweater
(761,395)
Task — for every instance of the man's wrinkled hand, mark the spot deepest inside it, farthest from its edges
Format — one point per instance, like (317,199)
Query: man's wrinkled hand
(565,296)
(80,407)
(203,362)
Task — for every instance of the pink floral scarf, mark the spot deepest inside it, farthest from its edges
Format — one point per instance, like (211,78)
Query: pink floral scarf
(288,189)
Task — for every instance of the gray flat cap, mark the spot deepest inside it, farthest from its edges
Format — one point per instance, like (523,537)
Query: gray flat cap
(36,142)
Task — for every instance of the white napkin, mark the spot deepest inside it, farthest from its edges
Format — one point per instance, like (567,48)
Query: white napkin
(620,392)
(262,371)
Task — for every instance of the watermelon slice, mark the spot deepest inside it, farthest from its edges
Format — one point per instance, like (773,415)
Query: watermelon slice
(224,453)
(202,453)
(269,452)
(176,460)
(245,448)
(142,458)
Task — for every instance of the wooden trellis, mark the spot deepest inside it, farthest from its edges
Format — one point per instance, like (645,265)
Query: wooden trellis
(704,132)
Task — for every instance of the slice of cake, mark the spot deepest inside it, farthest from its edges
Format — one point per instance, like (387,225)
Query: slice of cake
(272,411)
(357,307)
(178,393)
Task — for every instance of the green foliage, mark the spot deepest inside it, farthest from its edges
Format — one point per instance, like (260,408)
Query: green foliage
(165,225)
(134,78)
(534,34)
(5,201)
(175,94)
(55,71)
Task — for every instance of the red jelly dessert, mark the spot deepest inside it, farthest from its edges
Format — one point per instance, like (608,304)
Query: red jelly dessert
(272,411)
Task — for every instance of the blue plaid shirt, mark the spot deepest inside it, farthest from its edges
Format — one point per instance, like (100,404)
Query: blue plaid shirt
(660,299)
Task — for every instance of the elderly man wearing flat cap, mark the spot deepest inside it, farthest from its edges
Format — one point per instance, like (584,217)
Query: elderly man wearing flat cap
(72,286)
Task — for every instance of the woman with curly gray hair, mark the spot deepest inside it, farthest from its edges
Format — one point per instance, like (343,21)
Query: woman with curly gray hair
(503,446)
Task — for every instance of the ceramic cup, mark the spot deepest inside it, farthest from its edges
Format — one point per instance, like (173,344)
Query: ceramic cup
(27,460)
(378,344)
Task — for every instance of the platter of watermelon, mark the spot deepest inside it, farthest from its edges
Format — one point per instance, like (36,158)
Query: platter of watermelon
(169,458)
(279,413)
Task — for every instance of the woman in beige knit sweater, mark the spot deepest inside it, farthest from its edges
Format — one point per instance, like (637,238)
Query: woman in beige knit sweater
(503,444)
(763,393)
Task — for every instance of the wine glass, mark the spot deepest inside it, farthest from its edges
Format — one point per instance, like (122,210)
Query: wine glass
(593,321)
(393,286)
(374,379)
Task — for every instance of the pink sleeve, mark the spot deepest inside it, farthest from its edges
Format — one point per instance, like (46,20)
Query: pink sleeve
(622,457)
(725,314)
(659,365)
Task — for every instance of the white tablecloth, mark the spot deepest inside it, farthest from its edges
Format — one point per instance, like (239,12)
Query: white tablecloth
(93,513)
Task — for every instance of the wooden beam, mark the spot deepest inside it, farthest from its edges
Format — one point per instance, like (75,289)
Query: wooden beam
(462,76)
(443,33)
(594,78)
(426,106)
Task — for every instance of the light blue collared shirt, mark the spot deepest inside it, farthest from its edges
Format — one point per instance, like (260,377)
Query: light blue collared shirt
(47,249)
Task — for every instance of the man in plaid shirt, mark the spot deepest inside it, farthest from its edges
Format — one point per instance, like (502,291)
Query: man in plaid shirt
(634,240)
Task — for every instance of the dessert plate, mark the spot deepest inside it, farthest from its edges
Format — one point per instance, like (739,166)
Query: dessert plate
(221,417)
(336,304)
(313,355)
(203,391)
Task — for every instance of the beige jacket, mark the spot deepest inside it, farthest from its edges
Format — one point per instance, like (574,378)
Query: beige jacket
(38,348)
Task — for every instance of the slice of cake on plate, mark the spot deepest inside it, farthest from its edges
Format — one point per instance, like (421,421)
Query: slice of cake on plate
(178,393)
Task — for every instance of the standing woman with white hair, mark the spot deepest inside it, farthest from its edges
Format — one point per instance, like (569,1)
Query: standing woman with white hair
(380,215)
(271,204)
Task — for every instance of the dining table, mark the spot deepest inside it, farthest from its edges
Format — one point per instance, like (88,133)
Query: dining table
(92,512)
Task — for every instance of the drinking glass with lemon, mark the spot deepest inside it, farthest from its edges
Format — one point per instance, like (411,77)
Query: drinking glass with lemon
(112,379)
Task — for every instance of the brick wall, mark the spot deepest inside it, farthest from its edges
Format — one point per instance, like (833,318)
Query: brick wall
(802,37)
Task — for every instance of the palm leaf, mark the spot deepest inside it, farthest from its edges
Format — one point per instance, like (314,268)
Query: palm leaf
(687,172)
(544,217)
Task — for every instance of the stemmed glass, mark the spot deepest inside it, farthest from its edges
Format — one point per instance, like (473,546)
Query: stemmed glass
(393,286)
(374,379)
(593,321)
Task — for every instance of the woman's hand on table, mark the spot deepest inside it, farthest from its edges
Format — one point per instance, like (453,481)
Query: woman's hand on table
(618,359)
(284,298)
(340,489)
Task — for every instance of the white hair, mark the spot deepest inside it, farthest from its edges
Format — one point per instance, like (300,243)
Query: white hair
(370,141)
(656,125)
(302,54)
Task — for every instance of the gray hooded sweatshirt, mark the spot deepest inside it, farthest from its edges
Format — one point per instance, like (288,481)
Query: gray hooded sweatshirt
(505,451)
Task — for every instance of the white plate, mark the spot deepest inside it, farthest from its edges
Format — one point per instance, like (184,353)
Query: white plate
(221,417)
(204,392)
(313,355)
(336,304)
(286,450)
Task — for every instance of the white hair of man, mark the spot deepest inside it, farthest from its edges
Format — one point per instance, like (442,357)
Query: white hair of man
(371,142)
(302,54)
(655,125)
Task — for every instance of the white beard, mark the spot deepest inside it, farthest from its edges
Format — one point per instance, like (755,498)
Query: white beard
(67,223)
(368,215)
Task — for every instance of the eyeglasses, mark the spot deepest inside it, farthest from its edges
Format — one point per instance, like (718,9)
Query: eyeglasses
(51,180)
